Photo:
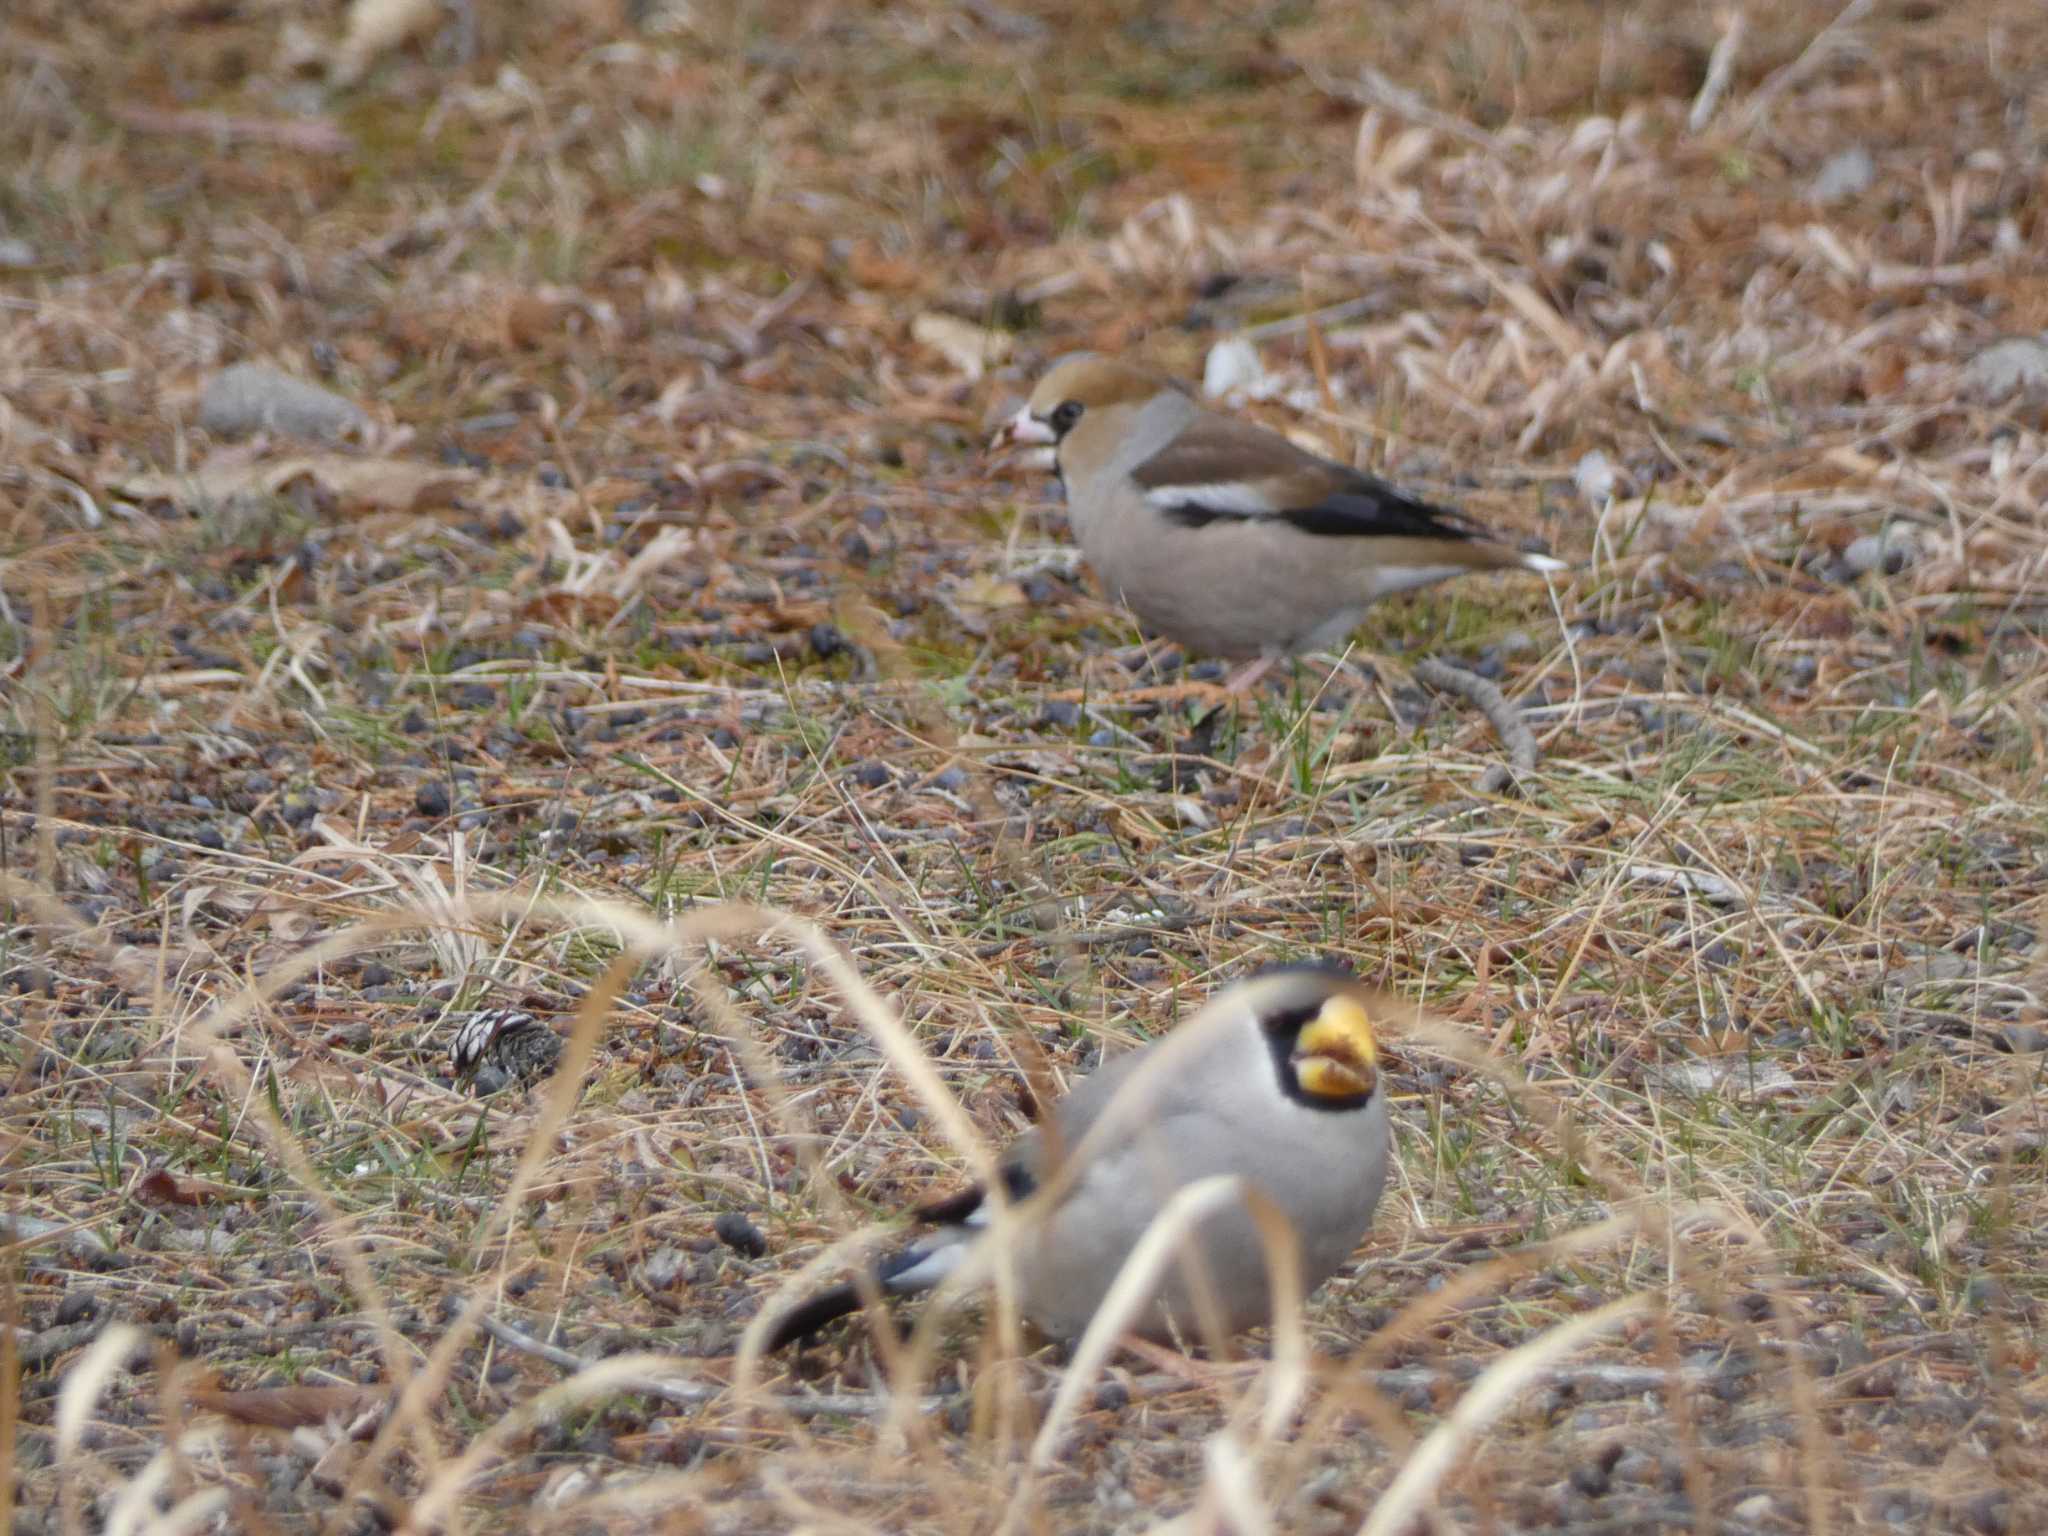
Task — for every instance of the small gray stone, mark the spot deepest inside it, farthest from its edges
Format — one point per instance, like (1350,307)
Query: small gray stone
(82,1242)
(2023,1039)
(2017,365)
(1889,552)
(1846,174)
(664,1267)
(251,397)
(1637,1468)
(739,1234)
(1931,969)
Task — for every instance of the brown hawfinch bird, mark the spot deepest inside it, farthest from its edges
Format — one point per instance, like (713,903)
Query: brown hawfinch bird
(1224,536)
(1276,1083)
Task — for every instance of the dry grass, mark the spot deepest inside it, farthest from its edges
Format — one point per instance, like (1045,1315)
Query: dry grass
(669,583)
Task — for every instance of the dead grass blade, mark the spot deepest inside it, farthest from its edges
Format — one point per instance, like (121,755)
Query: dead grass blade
(1408,1496)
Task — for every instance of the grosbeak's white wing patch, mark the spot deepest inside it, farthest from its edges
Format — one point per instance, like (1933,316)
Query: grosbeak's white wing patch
(1228,498)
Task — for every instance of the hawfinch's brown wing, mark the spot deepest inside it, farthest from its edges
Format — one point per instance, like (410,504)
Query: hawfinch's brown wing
(1221,469)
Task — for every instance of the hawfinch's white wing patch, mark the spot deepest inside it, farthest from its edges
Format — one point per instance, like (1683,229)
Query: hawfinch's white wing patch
(1228,498)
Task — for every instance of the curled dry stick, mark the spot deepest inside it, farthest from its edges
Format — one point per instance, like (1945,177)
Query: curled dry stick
(1495,705)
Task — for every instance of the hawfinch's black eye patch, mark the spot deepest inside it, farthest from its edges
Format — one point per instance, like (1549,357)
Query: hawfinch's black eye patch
(1064,415)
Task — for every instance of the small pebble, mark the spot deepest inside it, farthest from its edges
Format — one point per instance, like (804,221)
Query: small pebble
(1989,1513)
(1889,553)
(1843,176)
(2017,365)
(664,1267)
(733,1229)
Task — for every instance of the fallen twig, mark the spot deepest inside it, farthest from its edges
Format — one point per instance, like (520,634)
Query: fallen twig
(1373,89)
(1720,70)
(1495,705)
(1766,95)
(687,1393)
(306,136)
(1119,1388)
(1329,314)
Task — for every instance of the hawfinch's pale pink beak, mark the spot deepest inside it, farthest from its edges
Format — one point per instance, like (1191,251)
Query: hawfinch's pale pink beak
(1023,430)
